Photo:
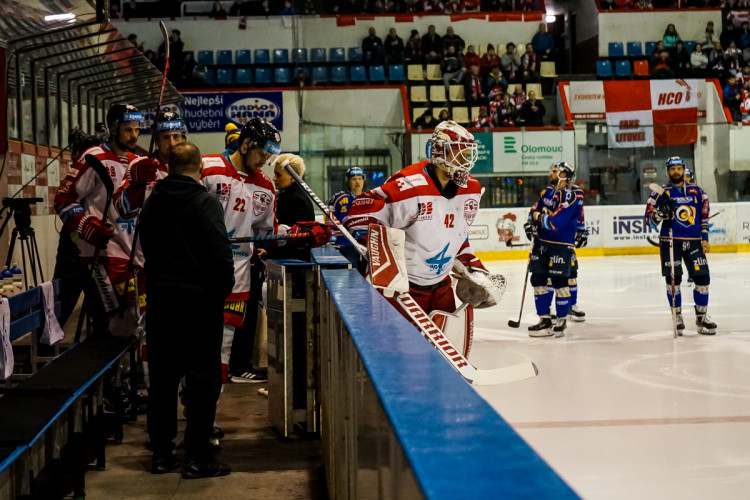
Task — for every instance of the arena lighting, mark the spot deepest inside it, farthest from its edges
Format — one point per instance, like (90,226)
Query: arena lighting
(70,17)
(550,18)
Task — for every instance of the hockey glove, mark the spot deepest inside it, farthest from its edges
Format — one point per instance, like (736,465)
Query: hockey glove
(470,263)
(94,232)
(582,237)
(143,172)
(665,210)
(530,229)
(476,286)
(319,233)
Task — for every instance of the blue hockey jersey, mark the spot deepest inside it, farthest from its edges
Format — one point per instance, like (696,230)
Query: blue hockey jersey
(691,212)
(562,213)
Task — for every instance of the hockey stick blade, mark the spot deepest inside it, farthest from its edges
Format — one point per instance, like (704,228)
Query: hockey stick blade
(512,373)
(656,188)
(513,323)
(101,171)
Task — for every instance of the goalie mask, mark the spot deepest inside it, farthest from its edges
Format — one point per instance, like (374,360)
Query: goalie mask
(453,149)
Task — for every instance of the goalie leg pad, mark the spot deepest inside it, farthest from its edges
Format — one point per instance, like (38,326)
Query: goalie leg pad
(458,327)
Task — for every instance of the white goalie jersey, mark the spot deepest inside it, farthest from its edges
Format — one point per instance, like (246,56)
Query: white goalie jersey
(437,228)
(249,210)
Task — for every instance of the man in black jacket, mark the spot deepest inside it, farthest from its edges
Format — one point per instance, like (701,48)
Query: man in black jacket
(189,274)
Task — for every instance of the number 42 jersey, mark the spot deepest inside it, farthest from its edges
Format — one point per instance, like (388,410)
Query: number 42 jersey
(437,228)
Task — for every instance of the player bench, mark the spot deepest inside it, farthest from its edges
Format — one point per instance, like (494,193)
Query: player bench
(46,415)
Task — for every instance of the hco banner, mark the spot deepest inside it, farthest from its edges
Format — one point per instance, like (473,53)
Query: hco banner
(211,111)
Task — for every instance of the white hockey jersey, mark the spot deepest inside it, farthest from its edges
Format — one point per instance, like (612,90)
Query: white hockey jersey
(249,210)
(437,228)
(81,192)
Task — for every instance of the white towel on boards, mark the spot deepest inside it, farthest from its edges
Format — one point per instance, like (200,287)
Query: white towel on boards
(52,332)
(6,349)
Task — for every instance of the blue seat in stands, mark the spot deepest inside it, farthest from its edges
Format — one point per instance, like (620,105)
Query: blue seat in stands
(243,76)
(299,56)
(262,76)
(209,77)
(622,68)
(355,54)
(603,69)
(318,55)
(635,49)
(358,74)
(338,74)
(689,46)
(224,57)
(206,57)
(281,75)
(224,76)
(377,74)
(650,46)
(281,56)
(262,56)
(320,74)
(616,49)
(396,73)
(242,57)
(337,55)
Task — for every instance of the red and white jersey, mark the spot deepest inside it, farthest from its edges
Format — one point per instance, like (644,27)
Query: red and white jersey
(745,110)
(518,100)
(249,210)
(129,201)
(437,228)
(81,192)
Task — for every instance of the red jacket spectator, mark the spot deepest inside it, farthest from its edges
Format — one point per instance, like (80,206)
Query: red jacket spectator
(489,60)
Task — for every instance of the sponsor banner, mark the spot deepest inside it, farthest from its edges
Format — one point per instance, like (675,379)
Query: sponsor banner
(211,111)
(630,129)
(532,151)
(586,98)
(609,227)
(485,158)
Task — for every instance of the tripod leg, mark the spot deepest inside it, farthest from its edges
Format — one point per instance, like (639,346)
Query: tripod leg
(25,274)
(13,238)
(35,251)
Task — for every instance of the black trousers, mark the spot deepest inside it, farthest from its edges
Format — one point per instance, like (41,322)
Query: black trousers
(184,339)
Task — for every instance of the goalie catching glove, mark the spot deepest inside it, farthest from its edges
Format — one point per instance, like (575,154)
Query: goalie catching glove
(475,284)
(320,234)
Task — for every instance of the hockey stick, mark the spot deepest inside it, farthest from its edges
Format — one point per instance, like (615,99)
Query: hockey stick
(673,287)
(426,326)
(268,237)
(516,324)
(164,34)
(656,242)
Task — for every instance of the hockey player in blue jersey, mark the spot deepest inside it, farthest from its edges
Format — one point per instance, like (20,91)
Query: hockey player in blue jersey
(684,209)
(553,224)
(339,205)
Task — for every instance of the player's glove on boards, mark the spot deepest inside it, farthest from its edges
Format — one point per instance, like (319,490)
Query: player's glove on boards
(319,233)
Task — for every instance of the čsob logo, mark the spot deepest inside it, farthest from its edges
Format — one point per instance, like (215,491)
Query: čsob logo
(631,224)
(246,109)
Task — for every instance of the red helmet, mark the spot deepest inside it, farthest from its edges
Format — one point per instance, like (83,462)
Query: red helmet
(453,149)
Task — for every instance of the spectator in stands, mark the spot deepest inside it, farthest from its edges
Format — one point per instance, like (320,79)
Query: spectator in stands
(288,9)
(114,10)
(728,34)
(533,111)
(671,37)
(301,78)
(151,56)
(733,97)
(433,7)
(455,7)
(744,40)
(506,5)
(743,80)
(133,38)
(716,53)
(452,40)
(489,60)
(543,43)
(426,120)
(471,58)
(643,4)
(732,56)
(699,61)
(474,91)
(217,10)
(483,119)
(518,98)
(444,115)
(661,64)
(680,60)
(496,79)
(394,48)
(411,6)
(452,68)
(265,9)
(240,8)
(413,51)
(308,8)
(432,45)
(510,63)
(717,64)
(175,55)
(505,112)
(185,321)
(187,68)
(709,37)
(530,65)
(372,48)
(608,4)
(527,5)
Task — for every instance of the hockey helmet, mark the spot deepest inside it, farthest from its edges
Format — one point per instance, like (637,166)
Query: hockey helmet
(353,172)
(261,134)
(675,161)
(122,113)
(231,140)
(566,168)
(688,173)
(170,123)
(453,149)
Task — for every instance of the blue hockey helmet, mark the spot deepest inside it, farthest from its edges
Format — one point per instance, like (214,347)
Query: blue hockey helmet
(674,161)
(354,171)
(170,123)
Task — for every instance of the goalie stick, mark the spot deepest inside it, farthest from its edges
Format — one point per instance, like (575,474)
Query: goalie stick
(426,326)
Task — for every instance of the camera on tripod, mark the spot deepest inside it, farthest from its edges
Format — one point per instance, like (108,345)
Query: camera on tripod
(20,208)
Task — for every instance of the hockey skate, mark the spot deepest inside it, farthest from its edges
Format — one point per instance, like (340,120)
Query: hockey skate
(541,329)
(704,323)
(559,329)
(576,314)
(680,321)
